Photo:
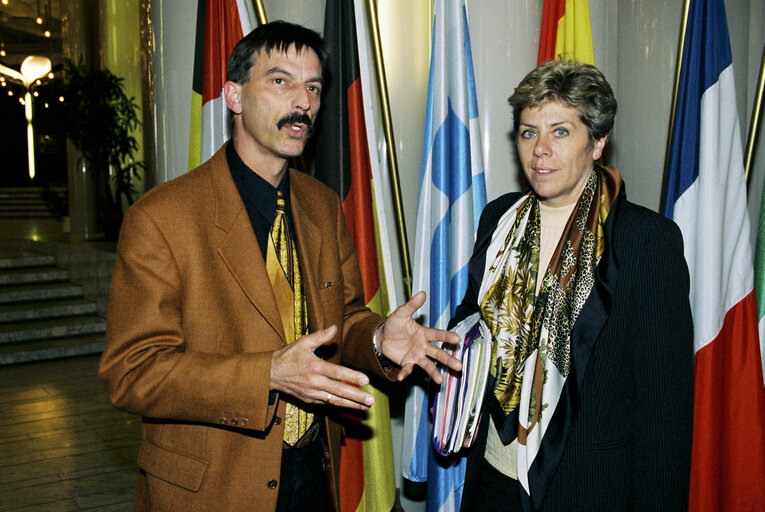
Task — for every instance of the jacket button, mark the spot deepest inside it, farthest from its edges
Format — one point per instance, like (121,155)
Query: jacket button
(244,422)
(277,420)
(272,484)
(223,421)
(234,421)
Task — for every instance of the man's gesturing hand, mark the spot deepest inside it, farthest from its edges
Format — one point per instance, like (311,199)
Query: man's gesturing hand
(297,371)
(406,343)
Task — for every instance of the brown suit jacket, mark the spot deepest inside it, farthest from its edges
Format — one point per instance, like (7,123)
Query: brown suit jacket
(191,327)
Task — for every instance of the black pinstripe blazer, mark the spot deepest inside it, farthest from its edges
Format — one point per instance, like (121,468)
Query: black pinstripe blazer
(630,446)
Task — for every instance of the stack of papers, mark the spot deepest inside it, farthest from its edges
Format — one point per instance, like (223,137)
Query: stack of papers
(460,397)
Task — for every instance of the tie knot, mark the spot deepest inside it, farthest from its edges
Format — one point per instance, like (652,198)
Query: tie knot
(280,203)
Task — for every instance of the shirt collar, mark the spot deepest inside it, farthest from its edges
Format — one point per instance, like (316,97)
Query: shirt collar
(257,194)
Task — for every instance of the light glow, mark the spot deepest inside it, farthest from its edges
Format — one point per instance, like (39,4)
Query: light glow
(30,135)
(32,69)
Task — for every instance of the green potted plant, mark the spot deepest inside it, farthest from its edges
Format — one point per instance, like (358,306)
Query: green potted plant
(100,118)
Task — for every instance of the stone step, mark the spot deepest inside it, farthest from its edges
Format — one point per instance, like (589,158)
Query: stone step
(27,259)
(51,349)
(25,199)
(23,214)
(14,190)
(38,209)
(9,193)
(33,275)
(23,203)
(6,201)
(34,292)
(16,332)
(47,309)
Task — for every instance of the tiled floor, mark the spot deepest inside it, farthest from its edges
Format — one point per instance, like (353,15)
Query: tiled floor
(63,447)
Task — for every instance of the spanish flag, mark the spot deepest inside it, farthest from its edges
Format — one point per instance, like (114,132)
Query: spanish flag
(566,31)
(342,161)
(220,25)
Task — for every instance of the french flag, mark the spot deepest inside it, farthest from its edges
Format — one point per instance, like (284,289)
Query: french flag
(705,194)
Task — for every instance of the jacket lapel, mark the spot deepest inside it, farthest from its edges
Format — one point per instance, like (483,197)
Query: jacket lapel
(308,241)
(239,249)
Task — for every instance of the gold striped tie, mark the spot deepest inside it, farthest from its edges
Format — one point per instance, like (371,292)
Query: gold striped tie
(284,273)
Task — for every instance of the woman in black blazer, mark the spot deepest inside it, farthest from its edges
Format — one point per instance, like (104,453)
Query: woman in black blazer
(590,401)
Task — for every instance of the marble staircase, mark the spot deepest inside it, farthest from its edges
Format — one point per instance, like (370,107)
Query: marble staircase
(32,202)
(43,315)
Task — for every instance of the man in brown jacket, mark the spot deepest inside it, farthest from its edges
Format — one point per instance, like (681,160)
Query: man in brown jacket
(198,337)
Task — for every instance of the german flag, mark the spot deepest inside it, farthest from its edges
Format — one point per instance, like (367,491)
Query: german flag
(220,25)
(342,161)
(566,31)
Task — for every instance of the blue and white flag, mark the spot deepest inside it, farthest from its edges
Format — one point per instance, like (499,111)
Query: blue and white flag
(452,196)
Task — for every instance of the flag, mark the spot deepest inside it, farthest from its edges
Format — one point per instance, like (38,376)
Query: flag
(342,161)
(566,31)
(452,196)
(220,25)
(705,194)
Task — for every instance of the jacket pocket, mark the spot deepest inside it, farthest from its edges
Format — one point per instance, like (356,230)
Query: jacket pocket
(172,466)
(614,443)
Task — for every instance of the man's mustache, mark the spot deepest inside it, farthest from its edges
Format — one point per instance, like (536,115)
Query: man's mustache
(296,117)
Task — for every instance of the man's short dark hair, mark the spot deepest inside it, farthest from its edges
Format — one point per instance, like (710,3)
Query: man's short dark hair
(276,35)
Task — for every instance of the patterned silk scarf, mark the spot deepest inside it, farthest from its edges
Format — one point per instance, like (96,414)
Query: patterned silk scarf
(533,355)
(284,272)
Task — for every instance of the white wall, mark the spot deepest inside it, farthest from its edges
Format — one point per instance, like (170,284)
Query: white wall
(635,46)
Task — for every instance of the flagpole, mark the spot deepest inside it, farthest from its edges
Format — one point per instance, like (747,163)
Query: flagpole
(753,124)
(390,144)
(261,9)
(683,26)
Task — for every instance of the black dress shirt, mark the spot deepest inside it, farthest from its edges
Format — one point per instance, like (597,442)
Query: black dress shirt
(259,197)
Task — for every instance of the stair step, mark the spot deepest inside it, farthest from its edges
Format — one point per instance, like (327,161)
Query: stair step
(16,214)
(16,332)
(28,205)
(21,201)
(27,260)
(51,349)
(38,190)
(33,292)
(33,275)
(48,309)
